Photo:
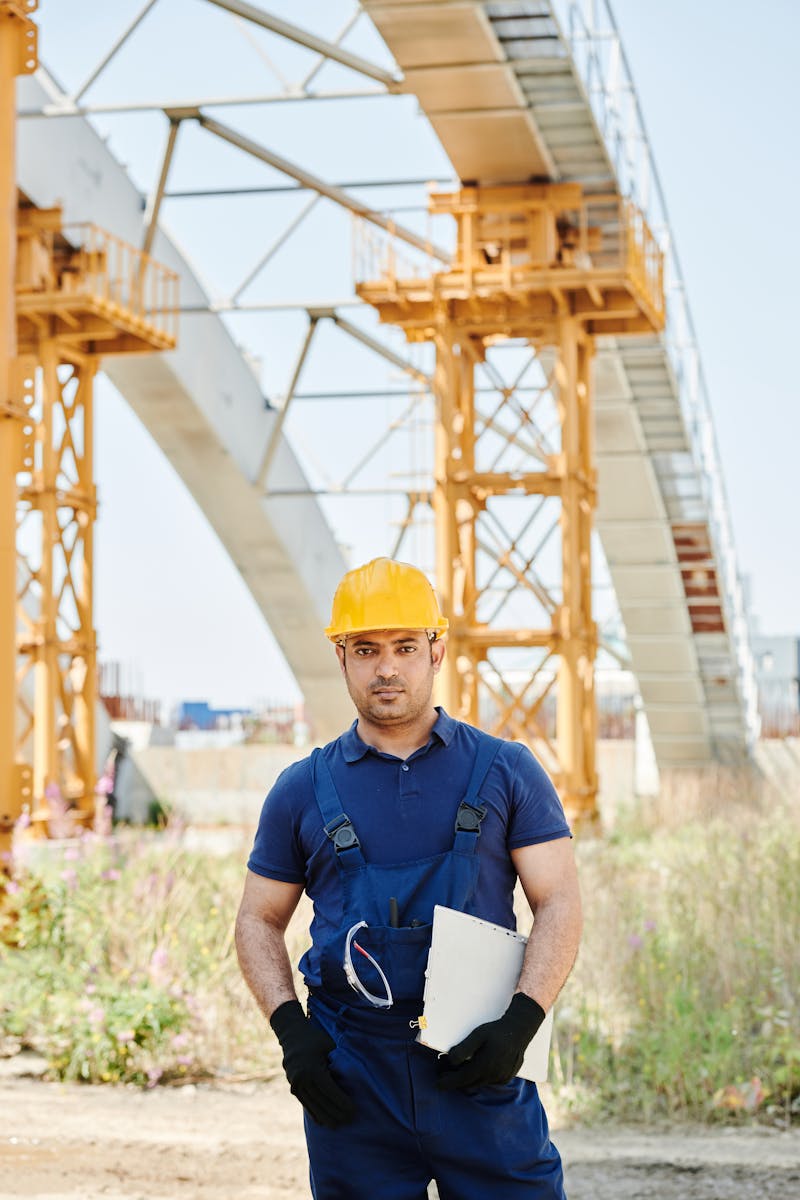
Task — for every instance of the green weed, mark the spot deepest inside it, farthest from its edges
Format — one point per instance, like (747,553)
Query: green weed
(684,1002)
(117,964)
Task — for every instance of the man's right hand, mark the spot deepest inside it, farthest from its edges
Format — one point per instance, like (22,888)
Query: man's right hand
(306,1047)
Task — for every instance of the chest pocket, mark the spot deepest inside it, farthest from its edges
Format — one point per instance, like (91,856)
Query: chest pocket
(391,905)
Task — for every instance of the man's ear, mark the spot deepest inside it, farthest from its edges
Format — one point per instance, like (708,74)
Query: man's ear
(437,654)
(340,656)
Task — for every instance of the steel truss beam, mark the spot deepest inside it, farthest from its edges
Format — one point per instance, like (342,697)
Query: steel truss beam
(198,193)
(67,108)
(314,316)
(110,54)
(154,204)
(227,306)
(276,245)
(341,35)
(302,37)
(337,195)
(277,429)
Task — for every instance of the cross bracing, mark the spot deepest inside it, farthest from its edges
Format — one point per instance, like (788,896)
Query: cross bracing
(305,116)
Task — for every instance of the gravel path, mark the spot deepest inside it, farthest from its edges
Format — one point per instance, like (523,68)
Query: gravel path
(66,1142)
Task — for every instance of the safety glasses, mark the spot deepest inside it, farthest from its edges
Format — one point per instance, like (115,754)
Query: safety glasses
(351,975)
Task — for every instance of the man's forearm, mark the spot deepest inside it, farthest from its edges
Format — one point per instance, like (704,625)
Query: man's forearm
(551,950)
(264,962)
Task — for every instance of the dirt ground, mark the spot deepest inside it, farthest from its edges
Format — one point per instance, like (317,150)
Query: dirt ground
(245,1141)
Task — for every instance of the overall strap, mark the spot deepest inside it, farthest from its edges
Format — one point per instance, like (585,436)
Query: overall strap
(336,822)
(470,811)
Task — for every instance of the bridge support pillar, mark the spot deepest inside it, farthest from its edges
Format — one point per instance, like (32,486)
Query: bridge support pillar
(18,56)
(576,719)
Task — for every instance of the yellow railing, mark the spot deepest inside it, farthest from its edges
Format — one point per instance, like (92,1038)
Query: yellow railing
(601,238)
(378,254)
(644,260)
(122,278)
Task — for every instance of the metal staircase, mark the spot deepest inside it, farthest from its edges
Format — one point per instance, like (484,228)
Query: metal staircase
(541,90)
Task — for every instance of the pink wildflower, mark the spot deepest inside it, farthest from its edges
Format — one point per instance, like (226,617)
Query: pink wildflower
(60,821)
(103,821)
(97,1015)
(70,877)
(159,961)
(193,1004)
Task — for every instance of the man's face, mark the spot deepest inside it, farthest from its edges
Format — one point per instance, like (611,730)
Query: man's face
(389,674)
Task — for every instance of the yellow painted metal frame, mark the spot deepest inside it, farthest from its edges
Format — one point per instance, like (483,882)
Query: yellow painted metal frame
(79,293)
(56,642)
(546,264)
(18,56)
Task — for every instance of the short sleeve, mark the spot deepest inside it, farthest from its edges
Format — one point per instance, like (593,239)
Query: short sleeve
(276,851)
(536,811)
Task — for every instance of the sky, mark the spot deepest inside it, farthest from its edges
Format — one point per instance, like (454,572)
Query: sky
(717,84)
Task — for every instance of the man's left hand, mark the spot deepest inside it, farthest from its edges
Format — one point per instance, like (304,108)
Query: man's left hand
(493,1052)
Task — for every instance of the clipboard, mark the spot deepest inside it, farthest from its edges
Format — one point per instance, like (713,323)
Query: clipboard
(473,971)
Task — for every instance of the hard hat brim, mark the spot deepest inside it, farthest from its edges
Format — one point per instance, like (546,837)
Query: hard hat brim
(337,635)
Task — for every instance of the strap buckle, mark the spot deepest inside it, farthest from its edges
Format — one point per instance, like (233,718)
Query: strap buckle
(341,832)
(469,817)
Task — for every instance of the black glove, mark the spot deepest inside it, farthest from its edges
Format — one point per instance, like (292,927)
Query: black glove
(306,1047)
(493,1052)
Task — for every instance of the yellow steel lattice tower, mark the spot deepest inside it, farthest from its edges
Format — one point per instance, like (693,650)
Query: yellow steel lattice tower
(68,295)
(81,294)
(542,265)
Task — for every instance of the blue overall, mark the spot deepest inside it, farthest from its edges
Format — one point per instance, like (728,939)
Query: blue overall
(488,1143)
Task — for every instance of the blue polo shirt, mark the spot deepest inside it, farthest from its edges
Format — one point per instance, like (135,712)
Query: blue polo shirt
(403,811)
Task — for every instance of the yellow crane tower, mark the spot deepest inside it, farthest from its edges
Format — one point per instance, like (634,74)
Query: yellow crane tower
(69,294)
(18,55)
(553,267)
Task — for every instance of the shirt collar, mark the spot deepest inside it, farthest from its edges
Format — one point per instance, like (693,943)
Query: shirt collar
(445,726)
(354,749)
(351,744)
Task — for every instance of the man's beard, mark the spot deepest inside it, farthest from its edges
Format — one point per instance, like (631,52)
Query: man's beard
(403,710)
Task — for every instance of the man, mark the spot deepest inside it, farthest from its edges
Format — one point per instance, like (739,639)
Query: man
(405,810)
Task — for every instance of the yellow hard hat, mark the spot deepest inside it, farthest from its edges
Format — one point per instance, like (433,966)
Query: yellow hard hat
(384,594)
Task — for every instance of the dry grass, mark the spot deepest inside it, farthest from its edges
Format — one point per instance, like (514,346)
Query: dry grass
(684,1001)
(119,962)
